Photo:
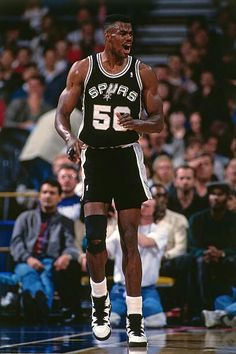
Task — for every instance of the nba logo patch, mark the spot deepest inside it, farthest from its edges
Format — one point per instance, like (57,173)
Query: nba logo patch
(131,74)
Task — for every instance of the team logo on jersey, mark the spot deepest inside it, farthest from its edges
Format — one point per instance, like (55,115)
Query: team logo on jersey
(107,96)
(107,90)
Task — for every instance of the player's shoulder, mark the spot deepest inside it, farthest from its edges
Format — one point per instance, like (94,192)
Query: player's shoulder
(80,65)
(79,69)
(145,70)
(144,66)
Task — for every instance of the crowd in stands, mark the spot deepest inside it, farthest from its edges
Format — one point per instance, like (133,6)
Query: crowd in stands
(191,164)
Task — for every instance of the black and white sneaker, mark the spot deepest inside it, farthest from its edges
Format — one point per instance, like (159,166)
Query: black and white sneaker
(135,331)
(101,310)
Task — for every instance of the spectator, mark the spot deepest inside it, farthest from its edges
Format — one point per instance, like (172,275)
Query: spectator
(195,126)
(75,36)
(163,171)
(34,13)
(70,204)
(9,80)
(177,128)
(213,244)
(211,145)
(231,204)
(184,198)
(54,72)
(42,241)
(42,146)
(176,262)
(29,70)
(24,113)
(224,313)
(152,240)
(209,100)
(193,148)
(23,58)
(204,170)
(87,45)
(158,142)
(230,172)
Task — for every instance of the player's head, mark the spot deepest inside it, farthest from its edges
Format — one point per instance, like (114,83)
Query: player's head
(111,20)
(118,35)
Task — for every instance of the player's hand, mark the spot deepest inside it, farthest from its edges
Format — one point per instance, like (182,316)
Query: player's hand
(73,149)
(127,122)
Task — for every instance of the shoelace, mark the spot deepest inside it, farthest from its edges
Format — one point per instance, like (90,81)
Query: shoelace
(100,310)
(135,325)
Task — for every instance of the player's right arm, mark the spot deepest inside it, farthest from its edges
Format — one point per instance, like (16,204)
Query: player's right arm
(66,104)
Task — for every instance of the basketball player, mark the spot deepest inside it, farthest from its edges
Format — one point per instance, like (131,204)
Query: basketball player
(114,87)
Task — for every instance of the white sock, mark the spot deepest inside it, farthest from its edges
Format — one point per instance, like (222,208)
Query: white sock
(134,304)
(99,289)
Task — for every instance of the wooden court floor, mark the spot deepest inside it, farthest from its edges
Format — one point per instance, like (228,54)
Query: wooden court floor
(78,339)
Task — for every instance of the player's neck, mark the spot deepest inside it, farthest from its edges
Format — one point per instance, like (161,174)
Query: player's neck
(111,61)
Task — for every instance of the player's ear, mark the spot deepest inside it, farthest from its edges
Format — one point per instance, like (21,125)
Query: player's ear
(107,34)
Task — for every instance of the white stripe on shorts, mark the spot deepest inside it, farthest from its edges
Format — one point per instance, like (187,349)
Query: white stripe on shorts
(142,169)
(83,159)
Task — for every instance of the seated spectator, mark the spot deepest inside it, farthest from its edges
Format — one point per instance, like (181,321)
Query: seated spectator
(175,262)
(42,243)
(211,145)
(195,126)
(33,12)
(9,80)
(159,144)
(23,58)
(213,244)
(75,37)
(87,45)
(184,198)
(42,146)
(29,70)
(209,100)
(163,171)
(25,112)
(224,313)
(230,172)
(231,203)
(177,128)
(204,172)
(70,204)
(54,71)
(193,148)
(152,240)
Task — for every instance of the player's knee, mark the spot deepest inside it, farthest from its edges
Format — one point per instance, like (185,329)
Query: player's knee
(96,226)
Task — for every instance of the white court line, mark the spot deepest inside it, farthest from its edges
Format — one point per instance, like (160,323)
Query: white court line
(43,340)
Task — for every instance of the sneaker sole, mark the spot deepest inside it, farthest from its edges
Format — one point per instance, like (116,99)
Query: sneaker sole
(135,344)
(102,338)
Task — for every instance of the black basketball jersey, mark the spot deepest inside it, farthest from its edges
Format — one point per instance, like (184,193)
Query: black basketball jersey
(104,95)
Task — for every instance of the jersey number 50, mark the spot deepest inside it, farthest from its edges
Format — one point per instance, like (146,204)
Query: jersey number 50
(104,118)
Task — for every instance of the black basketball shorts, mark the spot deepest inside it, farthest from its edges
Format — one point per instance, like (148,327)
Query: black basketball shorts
(115,173)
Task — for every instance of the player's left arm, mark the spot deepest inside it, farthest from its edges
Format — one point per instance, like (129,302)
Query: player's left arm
(152,104)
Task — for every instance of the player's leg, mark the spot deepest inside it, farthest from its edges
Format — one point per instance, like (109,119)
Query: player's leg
(128,221)
(96,223)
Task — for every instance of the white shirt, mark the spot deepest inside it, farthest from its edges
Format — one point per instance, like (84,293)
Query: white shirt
(150,256)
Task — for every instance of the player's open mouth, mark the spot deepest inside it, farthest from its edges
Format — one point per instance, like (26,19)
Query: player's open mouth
(127,48)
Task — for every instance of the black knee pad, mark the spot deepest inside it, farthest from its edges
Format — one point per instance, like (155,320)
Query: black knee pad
(96,228)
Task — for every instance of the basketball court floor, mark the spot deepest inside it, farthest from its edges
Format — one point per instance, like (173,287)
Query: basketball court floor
(78,339)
